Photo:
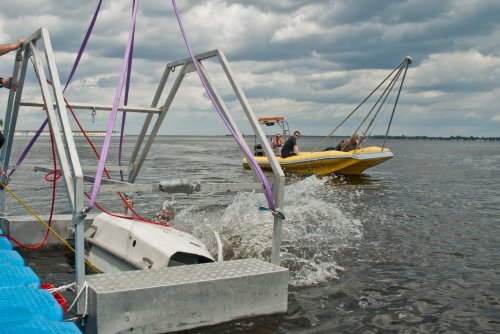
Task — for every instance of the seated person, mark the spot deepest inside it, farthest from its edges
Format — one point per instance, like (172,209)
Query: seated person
(350,144)
(277,144)
(290,148)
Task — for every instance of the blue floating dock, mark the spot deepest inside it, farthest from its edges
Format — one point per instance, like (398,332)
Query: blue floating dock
(22,303)
(24,307)
(15,276)
(4,242)
(11,257)
(39,325)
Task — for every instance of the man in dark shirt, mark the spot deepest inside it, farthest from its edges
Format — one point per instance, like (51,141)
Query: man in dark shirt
(290,148)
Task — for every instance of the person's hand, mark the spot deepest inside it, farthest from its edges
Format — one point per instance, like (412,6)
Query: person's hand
(7,83)
(18,43)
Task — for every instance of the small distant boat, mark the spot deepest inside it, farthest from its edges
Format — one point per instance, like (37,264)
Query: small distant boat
(117,244)
(321,163)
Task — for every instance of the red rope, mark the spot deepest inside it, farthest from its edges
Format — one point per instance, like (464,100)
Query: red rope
(54,180)
(127,217)
(57,175)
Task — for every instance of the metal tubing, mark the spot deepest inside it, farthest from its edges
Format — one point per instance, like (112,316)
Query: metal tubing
(79,228)
(279,193)
(12,112)
(251,116)
(88,106)
(5,152)
(225,110)
(159,121)
(221,104)
(51,114)
(66,146)
(61,106)
(49,169)
(199,57)
(147,121)
(34,36)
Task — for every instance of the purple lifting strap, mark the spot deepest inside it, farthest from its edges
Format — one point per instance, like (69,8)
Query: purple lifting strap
(84,44)
(73,70)
(111,123)
(125,102)
(245,149)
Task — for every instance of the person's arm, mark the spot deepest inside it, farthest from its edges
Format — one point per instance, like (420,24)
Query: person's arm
(358,144)
(8,47)
(296,149)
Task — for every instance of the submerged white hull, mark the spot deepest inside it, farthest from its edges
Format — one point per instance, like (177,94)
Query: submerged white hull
(119,244)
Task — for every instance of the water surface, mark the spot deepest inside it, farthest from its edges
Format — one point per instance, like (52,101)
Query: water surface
(411,246)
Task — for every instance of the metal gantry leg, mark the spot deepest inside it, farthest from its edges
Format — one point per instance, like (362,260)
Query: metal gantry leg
(6,149)
(54,105)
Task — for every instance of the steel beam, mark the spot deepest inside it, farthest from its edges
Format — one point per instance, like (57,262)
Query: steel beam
(90,106)
(54,125)
(147,121)
(156,128)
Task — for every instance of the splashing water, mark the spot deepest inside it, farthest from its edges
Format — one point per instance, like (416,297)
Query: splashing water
(314,232)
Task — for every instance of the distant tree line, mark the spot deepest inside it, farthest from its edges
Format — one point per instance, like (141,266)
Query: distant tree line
(457,138)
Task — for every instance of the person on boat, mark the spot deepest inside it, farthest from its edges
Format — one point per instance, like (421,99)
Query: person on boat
(4,49)
(350,144)
(7,82)
(277,144)
(290,148)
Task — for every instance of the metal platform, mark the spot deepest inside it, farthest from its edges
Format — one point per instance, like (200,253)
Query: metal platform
(185,297)
(28,230)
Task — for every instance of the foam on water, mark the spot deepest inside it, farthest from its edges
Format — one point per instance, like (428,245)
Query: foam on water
(314,232)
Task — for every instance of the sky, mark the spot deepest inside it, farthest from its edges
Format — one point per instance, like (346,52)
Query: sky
(310,61)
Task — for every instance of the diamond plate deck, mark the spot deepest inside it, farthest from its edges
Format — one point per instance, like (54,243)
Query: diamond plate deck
(178,298)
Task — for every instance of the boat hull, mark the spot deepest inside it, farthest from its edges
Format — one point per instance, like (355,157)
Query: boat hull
(328,162)
(119,244)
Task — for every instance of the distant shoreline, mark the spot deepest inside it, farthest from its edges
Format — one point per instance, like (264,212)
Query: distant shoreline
(403,137)
(456,138)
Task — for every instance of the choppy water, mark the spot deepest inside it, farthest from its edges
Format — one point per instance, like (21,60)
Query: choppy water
(411,246)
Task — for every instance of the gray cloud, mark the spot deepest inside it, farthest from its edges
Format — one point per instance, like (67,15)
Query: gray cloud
(311,61)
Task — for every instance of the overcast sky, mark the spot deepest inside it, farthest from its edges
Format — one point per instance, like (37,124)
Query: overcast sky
(310,61)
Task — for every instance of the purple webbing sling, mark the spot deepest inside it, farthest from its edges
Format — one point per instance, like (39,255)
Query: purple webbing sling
(111,123)
(125,102)
(248,154)
(73,70)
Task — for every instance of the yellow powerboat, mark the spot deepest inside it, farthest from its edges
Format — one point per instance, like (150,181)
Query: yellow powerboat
(348,157)
(328,162)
